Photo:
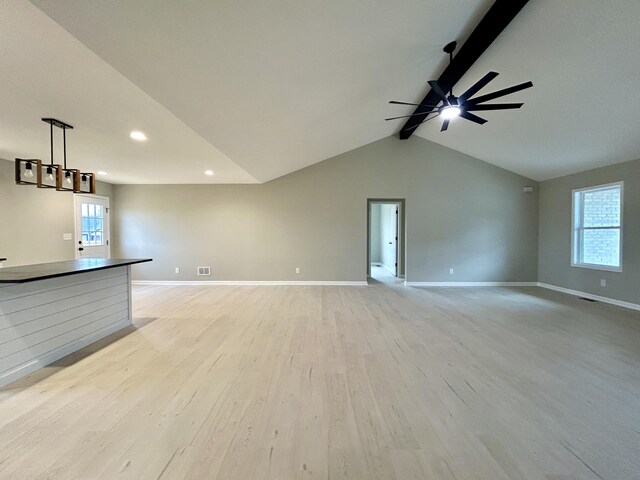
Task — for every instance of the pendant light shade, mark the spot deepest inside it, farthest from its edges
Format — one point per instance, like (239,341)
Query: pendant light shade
(69,178)
(50,176)
(86,183)
(28,171)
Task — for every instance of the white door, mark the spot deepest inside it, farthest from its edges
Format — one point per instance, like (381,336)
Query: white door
(389,237)
(92,226)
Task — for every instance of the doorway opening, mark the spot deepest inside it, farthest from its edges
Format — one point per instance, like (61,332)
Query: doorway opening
(92,226)
(385,240)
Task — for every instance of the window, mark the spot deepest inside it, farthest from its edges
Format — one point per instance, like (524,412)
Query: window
(92,224)
(597,227)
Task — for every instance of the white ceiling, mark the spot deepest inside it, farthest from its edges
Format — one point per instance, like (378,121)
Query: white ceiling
(48,73)
(256,89)
(276,85)
(582,112)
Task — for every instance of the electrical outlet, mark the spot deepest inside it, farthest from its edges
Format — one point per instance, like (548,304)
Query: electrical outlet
(67,236)
(603,282)
(297,269)
(451,271)
(177,269)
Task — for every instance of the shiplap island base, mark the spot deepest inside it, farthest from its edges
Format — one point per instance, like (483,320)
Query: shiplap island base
(50,310)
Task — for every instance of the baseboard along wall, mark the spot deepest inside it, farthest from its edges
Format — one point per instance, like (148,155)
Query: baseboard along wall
(599,298)
(591,296)
(252,283)
(471,284)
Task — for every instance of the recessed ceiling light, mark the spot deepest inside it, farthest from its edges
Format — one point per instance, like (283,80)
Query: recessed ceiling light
(208,172)
(101,172)
(141,137)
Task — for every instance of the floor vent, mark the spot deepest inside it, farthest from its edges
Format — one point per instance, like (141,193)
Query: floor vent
(204,270)
(588,299)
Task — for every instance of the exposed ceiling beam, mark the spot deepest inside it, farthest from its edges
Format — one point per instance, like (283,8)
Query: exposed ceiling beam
(497,18)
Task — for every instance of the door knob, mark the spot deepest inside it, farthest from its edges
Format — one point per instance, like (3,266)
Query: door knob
(80,249)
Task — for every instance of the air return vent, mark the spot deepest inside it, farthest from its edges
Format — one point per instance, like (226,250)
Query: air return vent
(204,270)
(588,299)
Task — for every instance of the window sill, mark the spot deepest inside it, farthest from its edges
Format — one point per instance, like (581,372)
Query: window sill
(597,267)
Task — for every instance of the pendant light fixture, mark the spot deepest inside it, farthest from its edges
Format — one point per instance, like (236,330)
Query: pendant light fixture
(63,179)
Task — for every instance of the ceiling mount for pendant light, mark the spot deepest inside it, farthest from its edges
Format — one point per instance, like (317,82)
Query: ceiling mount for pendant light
(53,175)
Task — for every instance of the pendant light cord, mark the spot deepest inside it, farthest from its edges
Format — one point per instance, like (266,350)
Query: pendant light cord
(64,145)
(51,135)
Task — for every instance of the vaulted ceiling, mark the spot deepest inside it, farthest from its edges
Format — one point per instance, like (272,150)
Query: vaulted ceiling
(256,89)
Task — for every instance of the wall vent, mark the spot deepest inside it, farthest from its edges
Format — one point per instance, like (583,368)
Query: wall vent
(588,299)
(204,270)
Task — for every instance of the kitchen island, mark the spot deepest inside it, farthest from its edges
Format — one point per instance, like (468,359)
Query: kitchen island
(50,310)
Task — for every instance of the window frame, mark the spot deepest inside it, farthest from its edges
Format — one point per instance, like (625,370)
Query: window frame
(577,224)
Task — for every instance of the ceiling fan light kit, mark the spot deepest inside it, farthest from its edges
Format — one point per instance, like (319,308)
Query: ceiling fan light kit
(452,107)
(63,179)
(449,113)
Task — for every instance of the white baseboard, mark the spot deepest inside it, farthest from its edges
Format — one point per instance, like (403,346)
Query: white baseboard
(591,296)
(471,284)
(598,298)
(251,283)
(50,357)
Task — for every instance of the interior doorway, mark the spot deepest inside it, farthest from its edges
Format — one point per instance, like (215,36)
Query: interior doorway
(385,239)
(92,226)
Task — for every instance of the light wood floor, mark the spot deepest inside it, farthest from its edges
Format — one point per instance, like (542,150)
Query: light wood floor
(379,382)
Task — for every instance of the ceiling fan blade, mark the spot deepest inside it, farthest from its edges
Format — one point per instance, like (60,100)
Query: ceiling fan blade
(438,91)
(477,87)
(407,116)
(412,104)
(501,93)
(473,118)
(430,118)
(495,106)
(445,125)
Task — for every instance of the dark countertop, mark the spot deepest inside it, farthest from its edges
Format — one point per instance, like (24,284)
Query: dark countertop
(31,273)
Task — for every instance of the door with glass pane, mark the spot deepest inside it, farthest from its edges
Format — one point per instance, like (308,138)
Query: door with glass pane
(92,226)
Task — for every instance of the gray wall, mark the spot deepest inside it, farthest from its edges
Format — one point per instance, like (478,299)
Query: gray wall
(375,239)
(32,221)
(460,212)
(555,234)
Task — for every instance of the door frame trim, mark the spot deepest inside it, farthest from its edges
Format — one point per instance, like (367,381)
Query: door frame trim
(402,223)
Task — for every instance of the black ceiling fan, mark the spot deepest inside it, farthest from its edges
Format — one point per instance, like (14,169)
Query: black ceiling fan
(463,105)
